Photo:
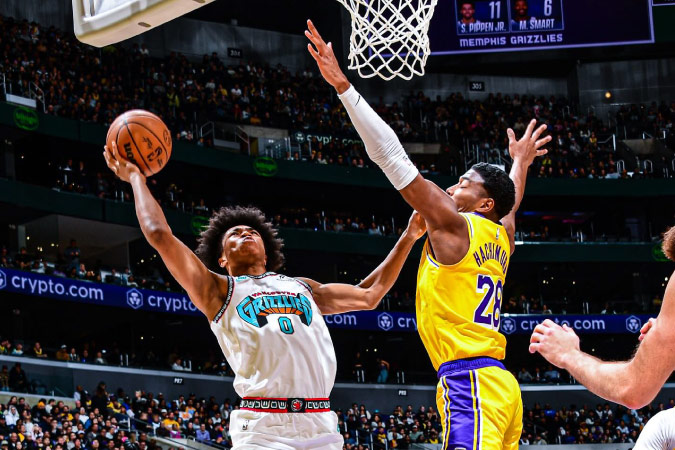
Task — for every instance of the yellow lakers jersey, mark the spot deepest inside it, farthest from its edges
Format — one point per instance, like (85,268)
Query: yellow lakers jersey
(458,306)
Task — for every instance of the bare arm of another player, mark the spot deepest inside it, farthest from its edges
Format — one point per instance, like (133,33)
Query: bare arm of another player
(631,383)
(335,298)
(523,152)
(384,148)
(204,287)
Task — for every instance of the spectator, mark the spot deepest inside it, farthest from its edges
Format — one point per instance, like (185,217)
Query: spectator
(73,356)
(177,365)
(524,376)
(12,416)
(100,399)
(62,353)
(552,375)
(72,256)
(4,379)
(202,434)
(416,435)
(382,370)
(38,352)
(99,358)
(18,382)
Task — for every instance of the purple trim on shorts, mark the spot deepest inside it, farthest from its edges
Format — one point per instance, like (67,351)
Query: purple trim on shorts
(449,367)
(462,415)
(478,415)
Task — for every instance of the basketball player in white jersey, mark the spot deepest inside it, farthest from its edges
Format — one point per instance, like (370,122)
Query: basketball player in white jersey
(269,326)
(659,433)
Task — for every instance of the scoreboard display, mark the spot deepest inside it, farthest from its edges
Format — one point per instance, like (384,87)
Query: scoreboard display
(513,25)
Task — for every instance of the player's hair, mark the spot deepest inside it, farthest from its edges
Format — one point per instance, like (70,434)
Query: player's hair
(498,186)
(210,241)
(462,3)
(668,245)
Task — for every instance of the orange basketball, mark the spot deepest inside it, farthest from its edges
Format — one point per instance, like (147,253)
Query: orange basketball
(142,139)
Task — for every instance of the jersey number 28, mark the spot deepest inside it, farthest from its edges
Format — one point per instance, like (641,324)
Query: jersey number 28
(489,309)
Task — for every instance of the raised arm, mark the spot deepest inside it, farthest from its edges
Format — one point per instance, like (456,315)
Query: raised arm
(522,153)
(204,287)
(384,148)
(335,298)
(632,383)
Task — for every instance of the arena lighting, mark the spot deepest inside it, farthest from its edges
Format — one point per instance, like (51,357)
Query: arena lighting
(608,95)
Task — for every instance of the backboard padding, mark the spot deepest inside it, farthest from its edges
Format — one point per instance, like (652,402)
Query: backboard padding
(104,22)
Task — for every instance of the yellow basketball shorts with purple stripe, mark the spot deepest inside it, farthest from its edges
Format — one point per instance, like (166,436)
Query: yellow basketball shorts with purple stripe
(480,405)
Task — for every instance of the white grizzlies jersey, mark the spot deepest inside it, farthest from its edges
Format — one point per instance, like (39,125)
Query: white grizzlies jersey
(275,339)
(659,433)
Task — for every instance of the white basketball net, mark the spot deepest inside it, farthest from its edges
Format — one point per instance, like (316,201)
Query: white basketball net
(389,37)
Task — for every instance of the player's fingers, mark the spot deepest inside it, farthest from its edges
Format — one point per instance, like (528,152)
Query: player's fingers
(107,158)
(315,32)
(313,52)
(540,330)
(568,329)
(315,41)
(543,141)
(108,151)
(538,132)
(542,152)
(645,328)
(110,160)
(548,323)
(114,149)
(534,348)
(311,37)
(512,135)
(530,127)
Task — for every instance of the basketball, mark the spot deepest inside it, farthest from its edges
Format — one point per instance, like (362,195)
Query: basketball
(142,139)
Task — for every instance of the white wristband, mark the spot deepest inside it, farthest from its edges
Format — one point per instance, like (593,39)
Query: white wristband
(382,144)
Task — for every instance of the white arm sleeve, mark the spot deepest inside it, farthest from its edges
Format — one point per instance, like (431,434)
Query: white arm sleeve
(382,144)
(658,433)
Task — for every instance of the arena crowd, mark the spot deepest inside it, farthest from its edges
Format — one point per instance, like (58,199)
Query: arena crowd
(83,83)
(121,421)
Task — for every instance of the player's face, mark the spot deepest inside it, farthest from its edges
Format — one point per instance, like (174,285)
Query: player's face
(468,194)
(242,242)
(468,11)
(521,8)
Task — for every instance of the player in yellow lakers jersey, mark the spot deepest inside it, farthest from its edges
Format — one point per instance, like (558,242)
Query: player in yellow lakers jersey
(470,229)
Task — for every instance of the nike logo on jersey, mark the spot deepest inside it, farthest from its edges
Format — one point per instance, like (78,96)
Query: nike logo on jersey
(255,308)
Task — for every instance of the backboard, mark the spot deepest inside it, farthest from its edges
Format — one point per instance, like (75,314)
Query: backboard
(104,22)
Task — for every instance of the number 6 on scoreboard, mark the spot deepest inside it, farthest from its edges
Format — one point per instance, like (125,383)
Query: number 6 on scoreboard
(485,315)
(548,7)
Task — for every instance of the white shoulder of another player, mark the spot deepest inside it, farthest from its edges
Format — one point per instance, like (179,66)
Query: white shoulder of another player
(659,433)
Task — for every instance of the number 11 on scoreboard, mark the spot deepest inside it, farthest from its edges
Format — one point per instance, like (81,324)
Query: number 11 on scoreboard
(481,17)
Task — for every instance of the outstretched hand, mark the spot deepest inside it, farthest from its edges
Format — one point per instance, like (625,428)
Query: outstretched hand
(120,166)
(416,226)
(554,342)
(528,147)
(325,59)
